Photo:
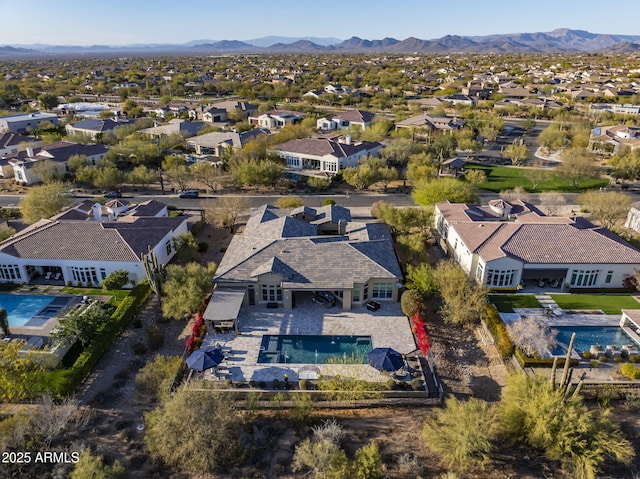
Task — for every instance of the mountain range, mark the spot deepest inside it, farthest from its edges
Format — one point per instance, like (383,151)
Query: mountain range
(562,40)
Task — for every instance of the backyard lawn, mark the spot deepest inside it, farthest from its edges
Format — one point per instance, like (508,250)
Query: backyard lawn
(609,304)
(506,302)
(503,178)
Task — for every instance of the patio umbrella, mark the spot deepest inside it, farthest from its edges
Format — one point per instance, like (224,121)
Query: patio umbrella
(385,359)
(205,358)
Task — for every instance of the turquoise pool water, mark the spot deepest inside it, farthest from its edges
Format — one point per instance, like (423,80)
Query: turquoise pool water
(301,349)
(23,309)
(589,335)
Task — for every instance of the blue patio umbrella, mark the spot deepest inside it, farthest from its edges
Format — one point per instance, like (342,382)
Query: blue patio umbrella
(205,358)
(385,359)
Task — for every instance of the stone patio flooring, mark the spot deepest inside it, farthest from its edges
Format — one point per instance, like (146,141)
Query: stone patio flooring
(388,327)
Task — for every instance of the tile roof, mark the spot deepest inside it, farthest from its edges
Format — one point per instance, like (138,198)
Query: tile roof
(307,261)
(529,236)
(73,236)
(324,147)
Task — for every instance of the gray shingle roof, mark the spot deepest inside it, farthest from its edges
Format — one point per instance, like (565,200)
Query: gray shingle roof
(312,262)
(324,147)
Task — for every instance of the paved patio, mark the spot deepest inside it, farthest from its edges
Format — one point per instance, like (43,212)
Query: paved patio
(388,327)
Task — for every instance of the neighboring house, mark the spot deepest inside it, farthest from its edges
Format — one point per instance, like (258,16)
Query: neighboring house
(345,119)
(94,128)
(273,119)
(9,145)
(59,152)
(325,155)
(626,109)
(460,99)
(444,123)
(88,241)
(244,108)
(25,122)
(215,143)
(337,89)
(215,115)
(283,255)
(175,127)
(505,244)
(609,139)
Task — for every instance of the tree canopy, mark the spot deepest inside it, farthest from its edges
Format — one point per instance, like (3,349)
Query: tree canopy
(44,201)
(185,288)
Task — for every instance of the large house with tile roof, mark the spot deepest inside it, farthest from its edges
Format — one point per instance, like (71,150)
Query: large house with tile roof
(88,241)
(324,154)
(504,245)
(282,254)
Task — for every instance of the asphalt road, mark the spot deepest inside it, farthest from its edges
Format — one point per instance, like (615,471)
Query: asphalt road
(355,200)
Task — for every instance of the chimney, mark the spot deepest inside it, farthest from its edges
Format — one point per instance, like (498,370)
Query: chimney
(97,211)
(30,151)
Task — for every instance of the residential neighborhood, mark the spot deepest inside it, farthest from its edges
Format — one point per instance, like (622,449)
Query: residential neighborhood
(321,261)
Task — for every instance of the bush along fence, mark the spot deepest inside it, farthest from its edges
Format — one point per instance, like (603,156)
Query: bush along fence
(63,382)
(198,332)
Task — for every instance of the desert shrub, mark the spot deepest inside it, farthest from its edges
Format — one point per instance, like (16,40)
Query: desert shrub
(417,384)
(139,348)
(303,384)
(630,371)
(203,246)
(411,302)
(157,376)
(155,337)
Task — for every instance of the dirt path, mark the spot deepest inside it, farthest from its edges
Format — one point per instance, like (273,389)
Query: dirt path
(112,382)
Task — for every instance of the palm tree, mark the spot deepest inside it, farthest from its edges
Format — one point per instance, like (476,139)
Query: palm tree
(4,322)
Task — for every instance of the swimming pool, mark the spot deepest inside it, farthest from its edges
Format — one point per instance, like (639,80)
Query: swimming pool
(31,310)
(586,336)
(301,349)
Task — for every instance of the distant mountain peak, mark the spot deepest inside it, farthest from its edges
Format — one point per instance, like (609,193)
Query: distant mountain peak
(560,40)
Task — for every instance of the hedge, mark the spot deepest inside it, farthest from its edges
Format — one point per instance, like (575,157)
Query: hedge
(527,362)
(63,382)
(498,330)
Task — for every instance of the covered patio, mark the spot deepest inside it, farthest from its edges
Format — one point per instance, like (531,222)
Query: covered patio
(223,309)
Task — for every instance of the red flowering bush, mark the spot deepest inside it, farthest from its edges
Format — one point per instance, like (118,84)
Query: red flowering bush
(198,332)
(424,341)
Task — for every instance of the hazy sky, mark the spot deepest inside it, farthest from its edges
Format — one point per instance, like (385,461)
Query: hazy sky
(119,22)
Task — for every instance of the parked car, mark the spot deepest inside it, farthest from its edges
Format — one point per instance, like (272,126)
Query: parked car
(113,194)
(189,194)
(326,295)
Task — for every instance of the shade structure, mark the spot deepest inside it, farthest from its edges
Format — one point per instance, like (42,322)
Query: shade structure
(205,358)
(385,359)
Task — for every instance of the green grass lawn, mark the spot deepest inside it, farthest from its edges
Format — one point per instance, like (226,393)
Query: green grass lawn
(506,302)
(609,304)
(503,178)
(119,294)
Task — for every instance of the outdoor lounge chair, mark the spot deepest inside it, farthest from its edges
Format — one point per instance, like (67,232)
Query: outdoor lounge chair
(612,351)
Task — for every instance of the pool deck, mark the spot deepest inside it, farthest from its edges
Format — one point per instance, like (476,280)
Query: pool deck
(46,325)
(388,327)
